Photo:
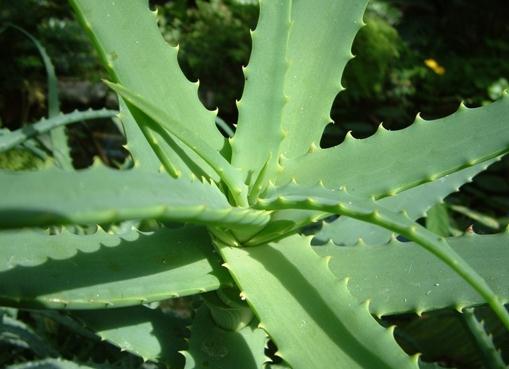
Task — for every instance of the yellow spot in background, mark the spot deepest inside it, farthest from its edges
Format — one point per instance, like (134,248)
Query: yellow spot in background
(434,66)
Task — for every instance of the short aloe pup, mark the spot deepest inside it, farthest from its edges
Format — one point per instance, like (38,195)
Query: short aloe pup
(243,201)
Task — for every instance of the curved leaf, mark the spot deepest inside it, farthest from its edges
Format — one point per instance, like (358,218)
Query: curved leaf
(415,201)
(260,110)
(319,47)
(105,270)
(127,37)
(393,161)
(401,277)
(11,139)
(230,175)
(294,196)
(100,195)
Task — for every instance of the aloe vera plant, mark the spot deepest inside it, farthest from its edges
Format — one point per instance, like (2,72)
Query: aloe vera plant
(244,201)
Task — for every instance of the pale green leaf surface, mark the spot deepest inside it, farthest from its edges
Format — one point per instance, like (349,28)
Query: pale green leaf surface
(319,47)
(259,131)
(100,195)
(230,175)
(105,270)
(148,333)
(127,37)
(294,196)
(322,325)
(415,201)
(392,161)
(214,348)
(437,220)
(142,153)
(401,277)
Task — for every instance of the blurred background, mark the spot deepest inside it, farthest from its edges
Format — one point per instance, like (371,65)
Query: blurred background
(412,56)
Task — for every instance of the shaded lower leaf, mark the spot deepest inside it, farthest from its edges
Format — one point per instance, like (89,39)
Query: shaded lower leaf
(148,333)
(105,270)
(212,347)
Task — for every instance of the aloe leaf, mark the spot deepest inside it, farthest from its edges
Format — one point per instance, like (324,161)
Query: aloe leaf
(260,110)
(11,139)
(415,201)
(143,155)
(417,283)
(230,175)
(491,355)
(321,321)
(104,270)
(319,47)
(148,333)
(215,348)
(294,196)
(393,161)
(101,195)
(437,220)
(61,151)
(126,35)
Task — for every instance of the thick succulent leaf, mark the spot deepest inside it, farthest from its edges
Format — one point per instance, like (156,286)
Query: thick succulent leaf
(100,195)
(392,161)
(321,321)
(105,270)
(215,348)
(415,201)
(437,220)
(417,283)
(319,47)
(148,333)
(230,175)
(259,125)
(9,140)
(142,153)
(294,196)
(491,355)
(127,38)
